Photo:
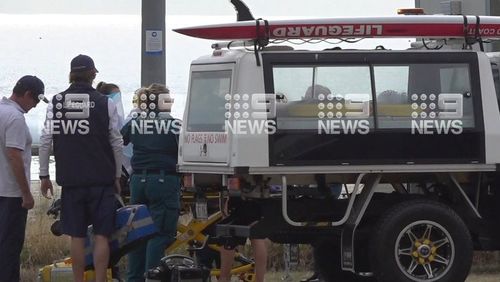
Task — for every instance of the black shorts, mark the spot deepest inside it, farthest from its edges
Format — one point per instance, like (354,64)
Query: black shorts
(84,206)
(243,212)
(240,213)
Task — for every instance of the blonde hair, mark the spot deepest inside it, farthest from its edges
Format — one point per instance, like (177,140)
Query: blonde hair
(137,94)
(158,88)
(146,98)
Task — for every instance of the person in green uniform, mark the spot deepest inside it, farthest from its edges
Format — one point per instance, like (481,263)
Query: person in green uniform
(153,134)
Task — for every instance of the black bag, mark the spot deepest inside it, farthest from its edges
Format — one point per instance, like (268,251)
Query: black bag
(184,273)
(178,268)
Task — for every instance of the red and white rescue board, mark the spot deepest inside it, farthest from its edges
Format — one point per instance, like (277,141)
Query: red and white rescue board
(435,26)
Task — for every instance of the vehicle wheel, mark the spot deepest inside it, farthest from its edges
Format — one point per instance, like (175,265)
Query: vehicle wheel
(328,263)
(421,240)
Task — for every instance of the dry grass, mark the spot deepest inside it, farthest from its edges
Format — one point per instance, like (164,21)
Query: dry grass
(483,278)
(41,247)
(292,276)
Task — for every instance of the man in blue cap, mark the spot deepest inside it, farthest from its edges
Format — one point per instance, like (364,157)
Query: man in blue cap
(87,150)
(15,161)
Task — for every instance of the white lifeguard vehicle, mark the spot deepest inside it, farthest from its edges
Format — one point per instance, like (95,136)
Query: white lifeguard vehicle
(388,157)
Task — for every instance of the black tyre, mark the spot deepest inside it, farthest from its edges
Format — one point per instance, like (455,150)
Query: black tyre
(421,240)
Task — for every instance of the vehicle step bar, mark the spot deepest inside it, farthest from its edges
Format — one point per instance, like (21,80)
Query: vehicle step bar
(284,203)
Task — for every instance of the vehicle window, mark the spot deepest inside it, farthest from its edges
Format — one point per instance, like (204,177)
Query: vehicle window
(292,82)
(293,112)
(410,95)
(496,80)
(206,106)
(391,88)
(349,98)
(344,80)
(455,81)
(317,95)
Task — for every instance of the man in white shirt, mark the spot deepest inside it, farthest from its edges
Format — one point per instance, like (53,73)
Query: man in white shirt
(15,161)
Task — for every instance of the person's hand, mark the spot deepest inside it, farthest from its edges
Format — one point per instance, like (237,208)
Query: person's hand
(28,202)
(118,186)
(46,186)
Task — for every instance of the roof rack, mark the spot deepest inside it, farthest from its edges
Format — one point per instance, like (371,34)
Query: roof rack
(229,44)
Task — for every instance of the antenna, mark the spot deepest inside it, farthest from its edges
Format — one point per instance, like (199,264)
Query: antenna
(242,11)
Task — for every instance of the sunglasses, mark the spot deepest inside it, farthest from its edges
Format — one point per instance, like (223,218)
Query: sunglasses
(37,98)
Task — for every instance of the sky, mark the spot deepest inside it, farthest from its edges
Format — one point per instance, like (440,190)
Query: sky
(260,8)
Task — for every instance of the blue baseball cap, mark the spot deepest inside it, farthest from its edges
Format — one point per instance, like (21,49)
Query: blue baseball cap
(32,84)
(82,63)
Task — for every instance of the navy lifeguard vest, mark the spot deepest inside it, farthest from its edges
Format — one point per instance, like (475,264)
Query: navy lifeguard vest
(80,131)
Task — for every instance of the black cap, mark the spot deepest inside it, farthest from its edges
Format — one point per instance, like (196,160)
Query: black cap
(82,63)
(33,84)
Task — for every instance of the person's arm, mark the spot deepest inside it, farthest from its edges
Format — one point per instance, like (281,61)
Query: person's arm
(116,141)
(125,131)
(14,155)
(44,156)
(16,135)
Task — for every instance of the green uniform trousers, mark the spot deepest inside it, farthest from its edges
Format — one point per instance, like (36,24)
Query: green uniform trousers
(161,194)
